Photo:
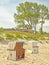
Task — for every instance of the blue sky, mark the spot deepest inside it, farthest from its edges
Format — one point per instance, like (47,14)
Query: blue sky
(8,8)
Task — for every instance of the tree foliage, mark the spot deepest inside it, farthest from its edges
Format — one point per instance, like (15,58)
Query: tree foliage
(43,14)
(29,13)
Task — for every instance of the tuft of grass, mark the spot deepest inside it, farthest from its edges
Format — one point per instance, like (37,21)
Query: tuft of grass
(13,35)
(1,38)
(9,36)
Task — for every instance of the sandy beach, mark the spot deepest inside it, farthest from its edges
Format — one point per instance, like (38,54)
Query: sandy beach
(42,58)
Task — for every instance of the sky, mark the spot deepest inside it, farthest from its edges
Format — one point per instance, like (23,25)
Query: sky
(8,8)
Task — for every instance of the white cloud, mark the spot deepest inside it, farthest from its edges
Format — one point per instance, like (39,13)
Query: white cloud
(46,23)
(4,1)
(6,18)
(4,13)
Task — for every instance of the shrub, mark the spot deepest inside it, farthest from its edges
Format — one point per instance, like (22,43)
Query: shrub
(9,36)
(1,38)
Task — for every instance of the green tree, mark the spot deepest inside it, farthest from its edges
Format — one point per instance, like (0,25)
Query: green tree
(43,15)
(27,12)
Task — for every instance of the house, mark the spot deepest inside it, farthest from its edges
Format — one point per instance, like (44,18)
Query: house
(16,50)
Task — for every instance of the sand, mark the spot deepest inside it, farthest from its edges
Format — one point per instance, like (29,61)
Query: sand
(42,58)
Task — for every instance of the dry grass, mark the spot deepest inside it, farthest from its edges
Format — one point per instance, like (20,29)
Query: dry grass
(42,58)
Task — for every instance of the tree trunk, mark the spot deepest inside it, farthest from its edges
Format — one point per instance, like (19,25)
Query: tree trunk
(35,29)
(41,27)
